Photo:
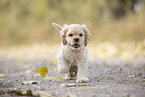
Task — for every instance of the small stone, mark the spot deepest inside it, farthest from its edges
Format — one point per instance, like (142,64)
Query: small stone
(139,74)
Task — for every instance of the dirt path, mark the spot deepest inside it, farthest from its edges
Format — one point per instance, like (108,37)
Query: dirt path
(18,77)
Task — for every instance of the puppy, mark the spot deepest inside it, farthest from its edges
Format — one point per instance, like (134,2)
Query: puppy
(73,56)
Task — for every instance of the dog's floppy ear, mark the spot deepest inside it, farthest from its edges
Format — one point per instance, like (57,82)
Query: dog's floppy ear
(87,35)
(63,36)
(62,32)
(58,27)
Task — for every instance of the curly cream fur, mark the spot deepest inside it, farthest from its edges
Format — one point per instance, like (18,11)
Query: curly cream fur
(70,55)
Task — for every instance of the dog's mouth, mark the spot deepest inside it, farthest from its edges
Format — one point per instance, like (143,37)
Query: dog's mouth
(75,45)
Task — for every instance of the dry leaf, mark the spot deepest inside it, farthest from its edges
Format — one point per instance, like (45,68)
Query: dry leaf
(131,73)
(42,71)
(73,84)
(60,77)
(132,76)
(19,91)
(30,82)
(122,75)
(22,93)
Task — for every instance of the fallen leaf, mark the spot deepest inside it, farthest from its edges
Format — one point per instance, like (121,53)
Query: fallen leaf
(60,77)
(30,82)
(19,91)
(122,75)
(73,84)
(2,78)
(63,85)
(131,73)
(34,83)
(130,80)
(131,76)
(42,71)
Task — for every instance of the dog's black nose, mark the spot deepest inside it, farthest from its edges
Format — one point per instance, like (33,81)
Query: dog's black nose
(76,39)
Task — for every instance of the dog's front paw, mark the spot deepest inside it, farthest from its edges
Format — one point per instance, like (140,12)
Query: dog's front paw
(82,80)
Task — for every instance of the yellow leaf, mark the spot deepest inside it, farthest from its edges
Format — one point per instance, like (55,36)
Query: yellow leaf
(19,91)
(61,77)
(42,71)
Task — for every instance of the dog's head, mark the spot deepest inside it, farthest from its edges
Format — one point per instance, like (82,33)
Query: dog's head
(74,35)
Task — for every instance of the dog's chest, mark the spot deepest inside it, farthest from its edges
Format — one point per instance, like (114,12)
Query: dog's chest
(73,57)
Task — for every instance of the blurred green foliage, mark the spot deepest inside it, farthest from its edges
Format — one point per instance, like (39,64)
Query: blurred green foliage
(29,21)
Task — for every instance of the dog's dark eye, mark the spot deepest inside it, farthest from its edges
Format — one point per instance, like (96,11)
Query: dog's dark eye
(81,35)
(70,35)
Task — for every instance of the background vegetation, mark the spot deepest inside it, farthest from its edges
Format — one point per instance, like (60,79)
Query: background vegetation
(29,21)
